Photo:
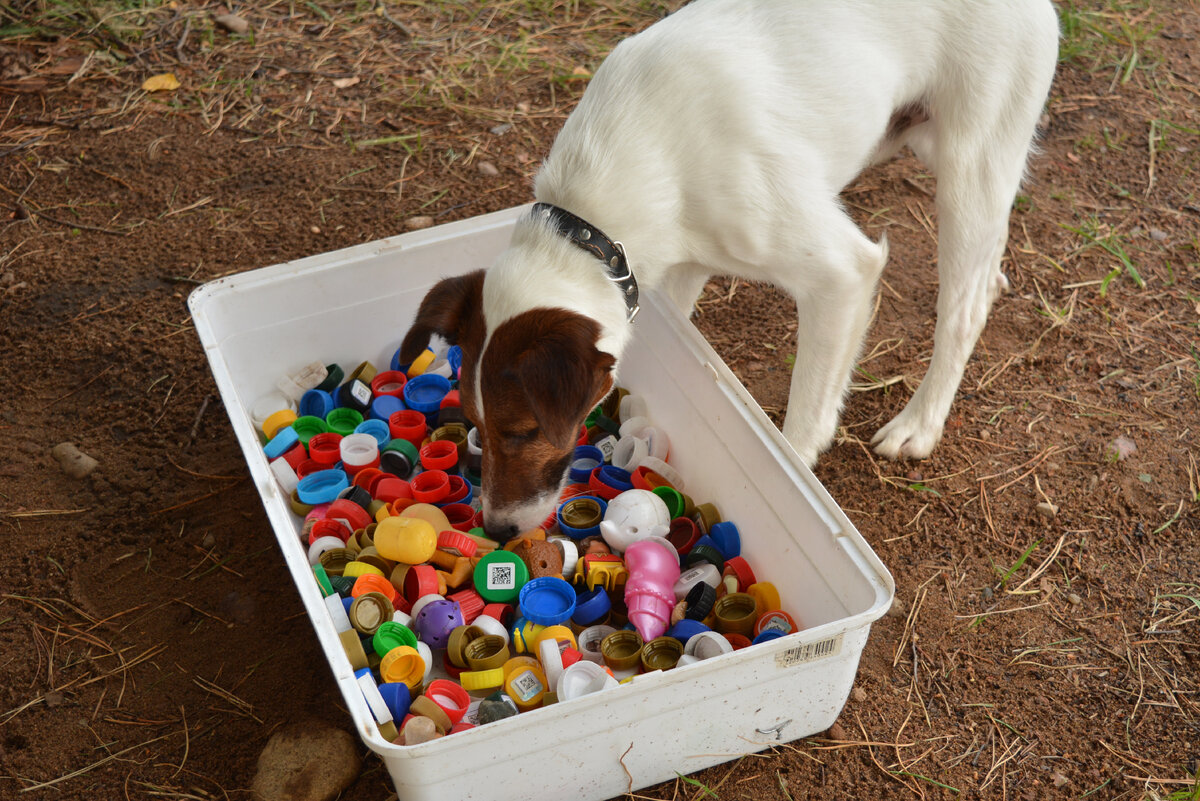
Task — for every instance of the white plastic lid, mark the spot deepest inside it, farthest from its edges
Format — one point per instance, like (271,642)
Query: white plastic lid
(322,544)
(267,405)
(374,699)
(285,474)
(551,659)
(589,642)
(630,452)
(632,406)
(706,645)
(706,572)
(490,625)
(341,621)
(582,678)
(359,449)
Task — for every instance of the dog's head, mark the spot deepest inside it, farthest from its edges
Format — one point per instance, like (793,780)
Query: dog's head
(527,384)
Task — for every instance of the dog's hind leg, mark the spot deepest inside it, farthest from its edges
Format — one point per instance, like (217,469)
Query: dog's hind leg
(978,174)
(834,289)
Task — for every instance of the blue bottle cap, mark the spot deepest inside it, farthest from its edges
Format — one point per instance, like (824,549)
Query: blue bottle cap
(283,442)
(316,403)
(425,392)
(377,429)
(397,697)
(384,406)
(395,365)
(586,459)
(322,486)
(547,601)
(726,538)
(615,477)
(455,357)
(685,629)
(591,606)
(768,634)
(577,532)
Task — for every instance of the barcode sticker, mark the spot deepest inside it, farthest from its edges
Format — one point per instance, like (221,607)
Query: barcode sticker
(526,686)
(501,577)
(809,653)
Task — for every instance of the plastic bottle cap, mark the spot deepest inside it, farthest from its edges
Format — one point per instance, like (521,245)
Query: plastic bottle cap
(419,364)
(491,626)
(499,576)
(450,698)
(391,634)
(526,686)
(369,611)
(322,486)
(389,383)
(580,516)
(622,649)
(430,486)
(440,455)
(700,600)
(320,545)
(775,620)
(551,658)
(316,403)
(377,429)
(477,680)
(337,612)
(353,647)
(487,652)
(707,644)
(373,583)
(727,538)
(276,421)
(589,642)
(423,601)
(591,606)
(736,613)
(282,441)
(629,453)
(661,653)
(583,678)
(766,594)
(547,601)
(343,420)
(285,474)
(458,640)
(425,707)
(402,664)
(705,572)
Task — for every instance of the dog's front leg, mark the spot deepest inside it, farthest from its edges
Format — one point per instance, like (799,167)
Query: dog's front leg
(834,289)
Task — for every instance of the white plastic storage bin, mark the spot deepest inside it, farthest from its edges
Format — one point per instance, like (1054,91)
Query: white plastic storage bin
(356,304)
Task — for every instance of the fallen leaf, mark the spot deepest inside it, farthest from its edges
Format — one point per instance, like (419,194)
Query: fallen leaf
(164,82)
(343,83)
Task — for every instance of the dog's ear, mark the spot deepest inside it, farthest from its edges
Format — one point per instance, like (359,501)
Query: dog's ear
(564,375)
(448,309)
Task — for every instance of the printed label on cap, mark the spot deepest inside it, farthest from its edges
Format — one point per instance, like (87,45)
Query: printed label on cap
(607,446)
(809,653)
(501,576)
(360,392)
(526,686)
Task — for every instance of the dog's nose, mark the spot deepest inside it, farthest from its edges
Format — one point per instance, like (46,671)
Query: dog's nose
(501,534)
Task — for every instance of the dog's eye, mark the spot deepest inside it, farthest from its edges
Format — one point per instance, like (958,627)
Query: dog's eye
(522,437)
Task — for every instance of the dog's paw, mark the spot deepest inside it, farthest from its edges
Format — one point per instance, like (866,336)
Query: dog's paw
(906,437)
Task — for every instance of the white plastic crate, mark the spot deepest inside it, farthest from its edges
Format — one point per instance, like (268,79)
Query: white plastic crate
(356,304)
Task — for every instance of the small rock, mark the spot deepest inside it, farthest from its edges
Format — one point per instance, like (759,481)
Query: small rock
(232,23)
(836,732)
(419,729)
(985,435)
(1059,779)
(502,129)
(208,541)
(53,698)
(523,107)
(858,694)
(75,463)
(914,475)
(1121,448)
(897,608)
(1157,235)
(306,763)
(488,168)
(417,223)
(1047,510)
(1074,599)
(987,593)
(315,229)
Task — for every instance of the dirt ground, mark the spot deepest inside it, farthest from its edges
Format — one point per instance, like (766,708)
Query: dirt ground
(1045,641)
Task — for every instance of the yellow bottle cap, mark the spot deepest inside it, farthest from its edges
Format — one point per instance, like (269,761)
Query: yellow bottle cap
(429,513)
(560,633)
(421,363)
(767,596)
(477,680)
(527,687)
(402,664)
(518,662)
(280,419)
(356,568)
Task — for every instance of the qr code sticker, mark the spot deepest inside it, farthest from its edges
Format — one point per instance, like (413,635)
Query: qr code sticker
(526,686)
(500,577)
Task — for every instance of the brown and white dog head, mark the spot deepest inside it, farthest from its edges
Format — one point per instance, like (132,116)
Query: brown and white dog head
(527,383)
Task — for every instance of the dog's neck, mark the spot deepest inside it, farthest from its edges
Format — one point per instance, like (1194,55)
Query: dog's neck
(592,240)
(542,268)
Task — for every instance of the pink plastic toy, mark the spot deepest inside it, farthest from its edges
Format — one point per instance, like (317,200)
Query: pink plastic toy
(649,592)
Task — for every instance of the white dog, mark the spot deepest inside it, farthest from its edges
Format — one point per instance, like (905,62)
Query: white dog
(716,142)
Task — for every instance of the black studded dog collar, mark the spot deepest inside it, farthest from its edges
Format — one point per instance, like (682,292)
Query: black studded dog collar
(592,239)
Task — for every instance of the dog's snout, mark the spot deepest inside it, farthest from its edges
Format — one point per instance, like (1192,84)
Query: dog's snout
(502,533)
